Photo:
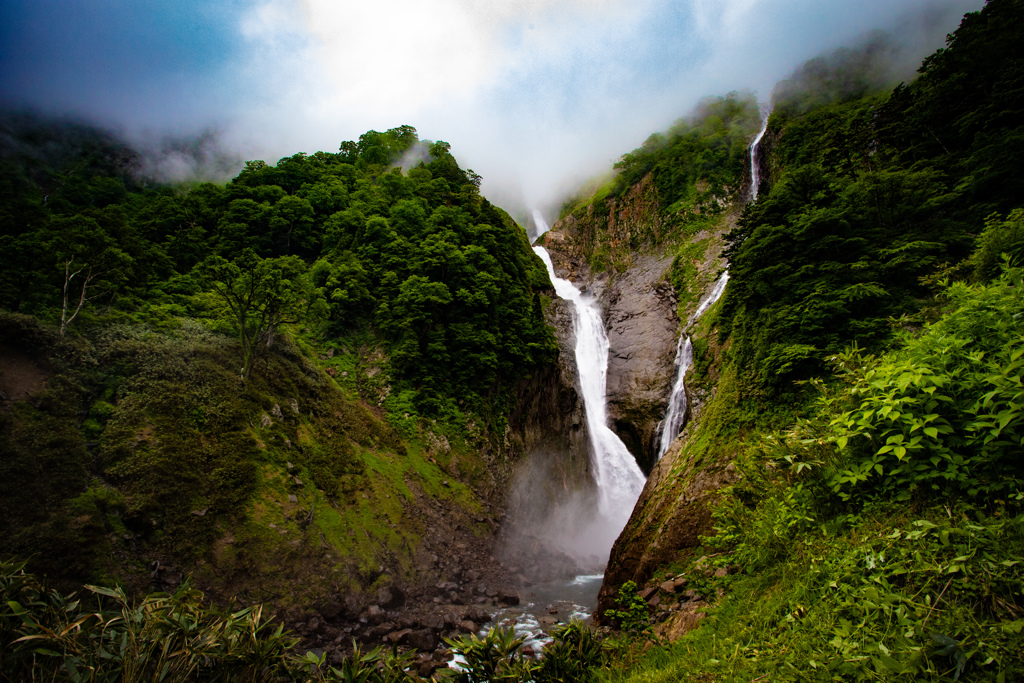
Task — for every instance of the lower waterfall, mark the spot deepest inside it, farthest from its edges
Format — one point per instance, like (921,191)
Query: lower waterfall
(618,477)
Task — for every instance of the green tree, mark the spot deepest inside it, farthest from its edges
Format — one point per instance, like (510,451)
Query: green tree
(261,295)
(89,259)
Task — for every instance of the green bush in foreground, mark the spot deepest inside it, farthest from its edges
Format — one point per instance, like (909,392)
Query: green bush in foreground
(46,635)
(49,636)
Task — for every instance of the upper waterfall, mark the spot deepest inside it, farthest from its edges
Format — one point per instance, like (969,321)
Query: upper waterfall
(755,161)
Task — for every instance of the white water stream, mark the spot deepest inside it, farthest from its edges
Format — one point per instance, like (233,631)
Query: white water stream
(755,165)
(675,416)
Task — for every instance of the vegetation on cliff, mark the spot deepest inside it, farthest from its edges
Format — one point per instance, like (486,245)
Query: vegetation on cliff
(866,413)
(676,184)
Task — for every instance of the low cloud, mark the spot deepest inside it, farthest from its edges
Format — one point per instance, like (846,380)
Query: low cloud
(534,95)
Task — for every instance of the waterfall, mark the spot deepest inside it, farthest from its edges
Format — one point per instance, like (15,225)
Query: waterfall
(619,479)
(755,162)
(675,417)
(673,421)
(710,299)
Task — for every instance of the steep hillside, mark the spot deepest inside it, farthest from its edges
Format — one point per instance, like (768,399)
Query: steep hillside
(303,388)
(843,411)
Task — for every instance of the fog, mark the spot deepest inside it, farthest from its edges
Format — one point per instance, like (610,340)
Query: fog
(536,96)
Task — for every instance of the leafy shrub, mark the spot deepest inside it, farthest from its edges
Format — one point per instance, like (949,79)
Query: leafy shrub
(574,656)
(497,657)
(943,414)
(631,614)
(164,637)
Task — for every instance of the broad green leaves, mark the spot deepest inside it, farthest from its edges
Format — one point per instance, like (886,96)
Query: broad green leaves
(946,412)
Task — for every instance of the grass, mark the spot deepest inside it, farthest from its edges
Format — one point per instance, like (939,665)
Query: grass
(885,597)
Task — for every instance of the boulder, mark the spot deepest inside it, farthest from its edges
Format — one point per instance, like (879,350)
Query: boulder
(390,597)
(381,630)
(398,636)
(375,615)
(424,639)
(508,598)
(478,614)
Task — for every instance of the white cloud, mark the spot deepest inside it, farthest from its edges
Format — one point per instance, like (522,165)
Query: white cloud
(536,94)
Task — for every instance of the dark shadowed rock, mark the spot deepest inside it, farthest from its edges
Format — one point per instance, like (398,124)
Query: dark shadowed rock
(424,639)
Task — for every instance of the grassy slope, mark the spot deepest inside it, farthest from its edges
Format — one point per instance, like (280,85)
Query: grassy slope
(181,464)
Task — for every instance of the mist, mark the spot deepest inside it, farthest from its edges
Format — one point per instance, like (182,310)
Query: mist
(536,96)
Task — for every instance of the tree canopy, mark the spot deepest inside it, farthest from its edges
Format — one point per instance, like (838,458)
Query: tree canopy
(411,252)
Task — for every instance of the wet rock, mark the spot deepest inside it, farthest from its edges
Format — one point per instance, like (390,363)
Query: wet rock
(424,639)
(427,667)
(382,629)
(375,615)
(508,598)
(332,609)
(431,622)
(478,614)
(467,626)
(397,637)
(390,597)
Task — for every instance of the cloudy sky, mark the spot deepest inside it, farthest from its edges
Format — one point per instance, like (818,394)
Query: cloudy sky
(535,95)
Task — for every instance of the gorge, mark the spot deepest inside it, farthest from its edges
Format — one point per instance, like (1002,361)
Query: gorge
(752,402)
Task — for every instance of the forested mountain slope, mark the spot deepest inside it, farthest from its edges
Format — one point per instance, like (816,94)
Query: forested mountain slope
(294,387)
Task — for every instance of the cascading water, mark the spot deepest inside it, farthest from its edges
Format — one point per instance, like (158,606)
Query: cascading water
(619,479)
(708,301)
(755,162)
(675,417)
(673,421)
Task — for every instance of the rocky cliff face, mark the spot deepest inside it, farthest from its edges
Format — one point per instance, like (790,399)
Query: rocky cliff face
(642,334)
(639,307)
(673,512)
(644,290)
